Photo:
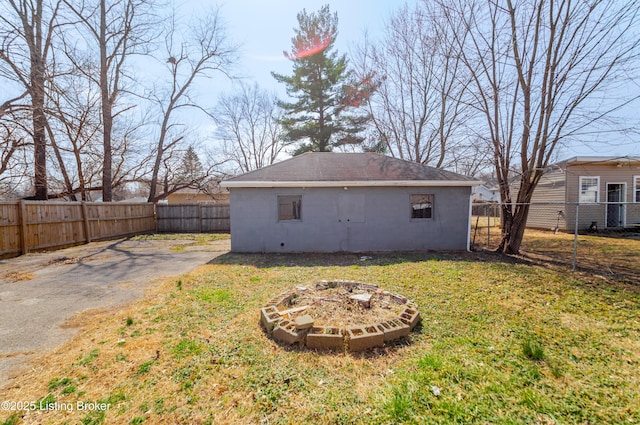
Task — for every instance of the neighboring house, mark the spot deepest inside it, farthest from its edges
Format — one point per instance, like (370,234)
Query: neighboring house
(606,188)
(354,202)
(135,200)
(484,194)
(216,195)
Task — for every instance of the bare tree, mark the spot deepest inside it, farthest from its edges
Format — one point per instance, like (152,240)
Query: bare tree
(118,29)
(248,125)
(544,72)
(417,105)
(14,152)
(26,33)
(73,125)
(193,53)
(182,169)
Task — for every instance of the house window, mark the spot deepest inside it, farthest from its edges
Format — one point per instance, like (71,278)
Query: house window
(589,190)
(636,188)
(421,206)
(289,207)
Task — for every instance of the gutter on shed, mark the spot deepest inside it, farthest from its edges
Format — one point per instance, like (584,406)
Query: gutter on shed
(352,183)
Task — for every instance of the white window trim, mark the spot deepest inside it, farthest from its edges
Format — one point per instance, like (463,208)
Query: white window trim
(636,188)
(580,201)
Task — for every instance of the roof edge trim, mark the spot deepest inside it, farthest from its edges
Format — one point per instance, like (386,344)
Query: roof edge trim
(352,183)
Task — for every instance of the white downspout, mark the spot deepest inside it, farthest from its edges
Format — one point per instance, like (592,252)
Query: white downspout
(469,222)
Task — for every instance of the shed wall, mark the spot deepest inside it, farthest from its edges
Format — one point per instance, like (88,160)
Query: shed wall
(326,225)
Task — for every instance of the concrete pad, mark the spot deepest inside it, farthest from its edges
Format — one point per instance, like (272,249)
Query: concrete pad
(57,285)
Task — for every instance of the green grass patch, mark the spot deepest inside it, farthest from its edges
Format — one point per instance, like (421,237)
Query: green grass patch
(187,347)
(145,367)
(89,358)
(59,382)
(198,237)
(14,419)
(210,295)
(532,349)
(95,417)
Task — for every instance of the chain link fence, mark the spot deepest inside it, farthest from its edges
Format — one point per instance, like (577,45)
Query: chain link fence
(602,238)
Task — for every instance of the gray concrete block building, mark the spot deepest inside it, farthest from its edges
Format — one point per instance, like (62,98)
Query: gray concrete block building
(349,202)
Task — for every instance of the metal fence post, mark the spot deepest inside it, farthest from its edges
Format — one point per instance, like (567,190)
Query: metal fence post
(575,239)
(488,209)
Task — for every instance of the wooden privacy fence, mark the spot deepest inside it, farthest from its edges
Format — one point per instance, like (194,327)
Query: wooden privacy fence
(193,218)
(33,225)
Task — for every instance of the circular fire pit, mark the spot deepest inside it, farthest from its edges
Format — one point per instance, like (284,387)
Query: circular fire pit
(339,315)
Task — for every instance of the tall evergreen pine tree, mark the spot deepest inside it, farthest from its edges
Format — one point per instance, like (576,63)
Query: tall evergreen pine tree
(325,114)
(191,170)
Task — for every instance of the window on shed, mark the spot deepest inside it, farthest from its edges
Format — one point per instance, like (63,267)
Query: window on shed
(589,190)
(636,188)
(289,207)
(421,206)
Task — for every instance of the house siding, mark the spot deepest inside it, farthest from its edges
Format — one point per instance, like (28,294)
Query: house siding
(608,173)
(549,192)
(193,198)
(358,219)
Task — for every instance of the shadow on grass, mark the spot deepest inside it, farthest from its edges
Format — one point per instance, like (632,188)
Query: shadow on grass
(591,273)
(362,259)
(591,265)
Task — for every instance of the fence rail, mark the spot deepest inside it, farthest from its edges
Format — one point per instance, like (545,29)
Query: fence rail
(193,218)
(31,225)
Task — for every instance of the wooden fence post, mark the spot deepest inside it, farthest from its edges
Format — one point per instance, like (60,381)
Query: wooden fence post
(23,228)
(85,219)
(200,217)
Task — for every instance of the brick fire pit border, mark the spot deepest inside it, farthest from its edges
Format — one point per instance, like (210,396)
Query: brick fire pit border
(356,337)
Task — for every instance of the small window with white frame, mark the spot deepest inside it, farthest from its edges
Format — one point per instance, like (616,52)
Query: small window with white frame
(636,188)
(421,206)
(289,207)
(589,190)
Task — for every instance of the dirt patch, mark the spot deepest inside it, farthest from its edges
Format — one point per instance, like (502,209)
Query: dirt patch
(63,260)
(18,276)
(338,307)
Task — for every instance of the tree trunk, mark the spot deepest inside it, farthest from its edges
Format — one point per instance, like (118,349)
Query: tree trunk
(518,227)
(515,219)
(63,169)
(39,140)
(107,118)
(37,91)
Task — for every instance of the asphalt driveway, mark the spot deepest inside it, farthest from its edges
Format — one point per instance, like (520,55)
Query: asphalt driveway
(40,292)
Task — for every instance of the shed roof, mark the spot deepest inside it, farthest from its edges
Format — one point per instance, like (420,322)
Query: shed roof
(325,169)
